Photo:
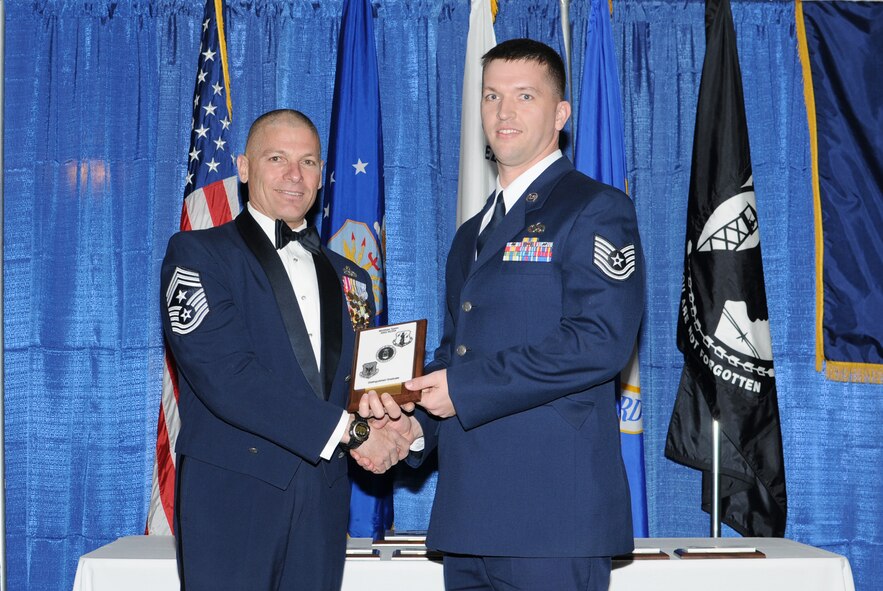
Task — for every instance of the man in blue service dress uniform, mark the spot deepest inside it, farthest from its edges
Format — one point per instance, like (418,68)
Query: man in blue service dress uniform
(260,321)
(545,294)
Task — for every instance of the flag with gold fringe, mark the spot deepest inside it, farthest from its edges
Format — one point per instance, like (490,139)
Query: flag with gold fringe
(841,48)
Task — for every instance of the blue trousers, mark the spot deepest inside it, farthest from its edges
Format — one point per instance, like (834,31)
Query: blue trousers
(239,533)
(492,573)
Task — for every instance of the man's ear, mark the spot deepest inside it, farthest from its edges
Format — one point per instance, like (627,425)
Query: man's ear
(562,114)
(242,167)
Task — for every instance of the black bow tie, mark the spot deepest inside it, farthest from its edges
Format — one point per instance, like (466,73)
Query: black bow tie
(308,237)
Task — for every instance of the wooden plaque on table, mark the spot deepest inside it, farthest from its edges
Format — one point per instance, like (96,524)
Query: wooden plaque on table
(642,554)
(718,552)
(385,357)
(415,554)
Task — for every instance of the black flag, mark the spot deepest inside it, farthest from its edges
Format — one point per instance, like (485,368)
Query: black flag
(723,323)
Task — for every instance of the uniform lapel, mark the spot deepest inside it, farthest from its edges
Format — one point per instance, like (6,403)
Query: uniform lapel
(467,238)
(332,325)
(510,225)
(266,255)
(534,198)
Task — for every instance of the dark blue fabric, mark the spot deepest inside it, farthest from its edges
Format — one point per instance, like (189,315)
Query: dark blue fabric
(845,43)
(98,99)
(486,573)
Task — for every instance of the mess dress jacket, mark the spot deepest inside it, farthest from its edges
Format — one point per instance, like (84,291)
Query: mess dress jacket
(251,397)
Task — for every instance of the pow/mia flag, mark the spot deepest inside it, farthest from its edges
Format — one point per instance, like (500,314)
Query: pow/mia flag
(723,323)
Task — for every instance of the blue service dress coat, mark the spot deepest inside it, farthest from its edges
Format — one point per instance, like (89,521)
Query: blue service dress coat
(256,411)
(536,332)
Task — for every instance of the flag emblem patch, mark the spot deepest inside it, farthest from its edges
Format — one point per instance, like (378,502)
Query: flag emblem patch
(186,301)
(616,263)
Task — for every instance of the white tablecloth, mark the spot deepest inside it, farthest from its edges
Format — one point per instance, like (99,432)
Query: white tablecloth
(147,563)
(788,566)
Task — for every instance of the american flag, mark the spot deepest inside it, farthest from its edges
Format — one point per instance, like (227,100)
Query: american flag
(211,198)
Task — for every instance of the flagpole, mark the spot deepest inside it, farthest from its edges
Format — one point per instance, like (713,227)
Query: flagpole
(565,34)
(715,479)
(2,337)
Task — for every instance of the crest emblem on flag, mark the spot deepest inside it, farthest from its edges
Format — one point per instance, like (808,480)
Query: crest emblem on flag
(732,334)
(743,335)
(186,301)
(357,242)
(733,224)
(616,263)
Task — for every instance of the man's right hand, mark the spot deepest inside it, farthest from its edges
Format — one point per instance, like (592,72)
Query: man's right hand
(383,450)
(384,413)
(390,421)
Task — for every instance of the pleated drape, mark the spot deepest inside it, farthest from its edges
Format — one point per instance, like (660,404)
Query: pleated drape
(97,120)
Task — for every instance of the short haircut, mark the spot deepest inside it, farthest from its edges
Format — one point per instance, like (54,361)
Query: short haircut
(270,117)
(530,50)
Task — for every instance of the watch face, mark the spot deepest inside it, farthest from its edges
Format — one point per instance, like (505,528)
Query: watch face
(361,431)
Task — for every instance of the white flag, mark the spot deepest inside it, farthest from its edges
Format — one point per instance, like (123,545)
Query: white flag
(478,173)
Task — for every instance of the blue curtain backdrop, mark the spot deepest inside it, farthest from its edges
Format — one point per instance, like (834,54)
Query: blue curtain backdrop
(97,117)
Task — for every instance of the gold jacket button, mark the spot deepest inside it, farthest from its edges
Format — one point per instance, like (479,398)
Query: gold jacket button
(461,350)
(467,306)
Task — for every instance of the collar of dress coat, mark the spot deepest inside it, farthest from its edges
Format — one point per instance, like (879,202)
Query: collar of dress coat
(513,192)
(269,225)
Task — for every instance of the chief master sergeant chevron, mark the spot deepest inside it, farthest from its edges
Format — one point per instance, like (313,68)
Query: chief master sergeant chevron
(543,311)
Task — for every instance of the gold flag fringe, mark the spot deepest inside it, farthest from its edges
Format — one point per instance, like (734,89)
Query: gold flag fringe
(862,373)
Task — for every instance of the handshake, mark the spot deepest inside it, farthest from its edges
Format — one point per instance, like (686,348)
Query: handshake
(393,430)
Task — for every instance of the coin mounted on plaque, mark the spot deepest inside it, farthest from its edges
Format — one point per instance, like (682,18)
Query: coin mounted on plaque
(386,357)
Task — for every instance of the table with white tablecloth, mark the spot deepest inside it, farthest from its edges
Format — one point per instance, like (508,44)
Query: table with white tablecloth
(147,563)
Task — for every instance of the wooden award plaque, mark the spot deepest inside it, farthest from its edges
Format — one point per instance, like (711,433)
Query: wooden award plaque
(384,358)
(720,552)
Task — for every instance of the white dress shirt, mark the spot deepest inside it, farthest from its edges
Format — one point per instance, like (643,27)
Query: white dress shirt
(301,270)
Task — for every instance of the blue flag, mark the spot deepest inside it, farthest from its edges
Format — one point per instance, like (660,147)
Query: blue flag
(845,119)
(600,154)
(352,217)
